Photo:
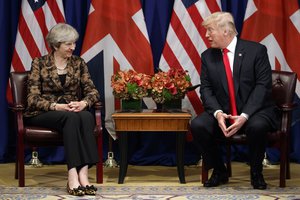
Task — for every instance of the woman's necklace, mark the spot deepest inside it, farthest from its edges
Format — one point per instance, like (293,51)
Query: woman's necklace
(60,63)
(61,69)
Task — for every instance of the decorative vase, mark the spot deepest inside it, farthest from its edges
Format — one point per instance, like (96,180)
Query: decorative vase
(131,105)
(173,105)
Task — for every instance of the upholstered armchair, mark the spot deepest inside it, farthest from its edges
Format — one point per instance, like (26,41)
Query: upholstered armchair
(283,92)
(29,136)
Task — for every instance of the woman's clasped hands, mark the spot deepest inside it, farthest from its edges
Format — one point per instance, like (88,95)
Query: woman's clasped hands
(76,106)
(73,106)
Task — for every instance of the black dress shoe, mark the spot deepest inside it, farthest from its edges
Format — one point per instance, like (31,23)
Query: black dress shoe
(258,181)
(217,178)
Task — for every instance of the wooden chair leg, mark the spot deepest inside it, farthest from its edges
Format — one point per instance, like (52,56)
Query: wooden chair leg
(17,164)
(288,169)
(204,173)
(283,160)
(21,165)
(282,176)
(99,171)
(99,166)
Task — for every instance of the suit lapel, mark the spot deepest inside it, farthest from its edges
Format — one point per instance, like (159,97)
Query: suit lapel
(237,64)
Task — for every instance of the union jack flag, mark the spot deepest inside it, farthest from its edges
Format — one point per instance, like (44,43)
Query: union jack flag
(116,38)
(276,24)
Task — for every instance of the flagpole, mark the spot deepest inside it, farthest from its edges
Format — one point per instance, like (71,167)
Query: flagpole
(110,162)
(266,162)
(34,161)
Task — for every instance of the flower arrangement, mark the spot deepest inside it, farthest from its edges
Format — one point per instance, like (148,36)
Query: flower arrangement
(170,85)
(130,85)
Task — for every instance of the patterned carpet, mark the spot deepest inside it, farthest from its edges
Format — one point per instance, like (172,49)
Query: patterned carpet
(147,183)
(154,192)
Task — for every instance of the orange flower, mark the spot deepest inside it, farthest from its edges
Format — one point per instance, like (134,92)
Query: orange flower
(170,85)
(130,85)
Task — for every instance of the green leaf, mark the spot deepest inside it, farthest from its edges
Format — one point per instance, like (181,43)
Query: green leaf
(167,94)
(132,88)
(188,78)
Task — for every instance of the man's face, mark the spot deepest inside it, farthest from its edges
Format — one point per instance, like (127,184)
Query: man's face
(215,36)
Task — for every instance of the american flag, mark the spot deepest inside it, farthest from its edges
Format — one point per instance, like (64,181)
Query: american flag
(116,39)
(186,41)
(35,20)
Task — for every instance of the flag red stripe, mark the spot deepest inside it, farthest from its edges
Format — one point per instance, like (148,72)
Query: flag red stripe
(183,35)
(25,33)
(195,101)
(212,5)
(17,66)
(40,17)
(172,61)
(17,63)
(9,94)
(185,40)
(197,19)
(170,57)
(58,16)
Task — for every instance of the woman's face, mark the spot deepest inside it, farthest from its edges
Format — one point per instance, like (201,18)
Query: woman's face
(65,50)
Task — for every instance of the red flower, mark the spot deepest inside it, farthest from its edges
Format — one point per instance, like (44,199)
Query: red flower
(170,85)
(130,84)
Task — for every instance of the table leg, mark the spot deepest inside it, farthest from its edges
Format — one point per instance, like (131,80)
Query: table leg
(180,142)
(123,146)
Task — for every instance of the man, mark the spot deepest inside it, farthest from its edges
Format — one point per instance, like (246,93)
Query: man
(241,102)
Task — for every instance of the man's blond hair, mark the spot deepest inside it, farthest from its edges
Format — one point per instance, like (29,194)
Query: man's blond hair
(223,20)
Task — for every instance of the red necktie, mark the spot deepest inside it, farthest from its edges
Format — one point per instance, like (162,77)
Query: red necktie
(233,111)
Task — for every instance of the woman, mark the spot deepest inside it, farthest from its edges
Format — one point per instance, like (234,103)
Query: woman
(53,102)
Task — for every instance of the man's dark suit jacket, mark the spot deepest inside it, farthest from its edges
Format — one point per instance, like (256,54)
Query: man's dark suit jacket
(252,81)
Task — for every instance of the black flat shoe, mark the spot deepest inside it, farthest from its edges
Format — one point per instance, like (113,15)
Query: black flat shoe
(258,181)
(90,190)
(216,179)
(75,191)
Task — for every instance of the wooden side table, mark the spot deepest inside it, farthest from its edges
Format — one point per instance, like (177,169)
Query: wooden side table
(151,120)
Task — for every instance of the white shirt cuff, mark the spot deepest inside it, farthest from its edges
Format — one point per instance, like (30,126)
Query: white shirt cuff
(245,115)
(216,112)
